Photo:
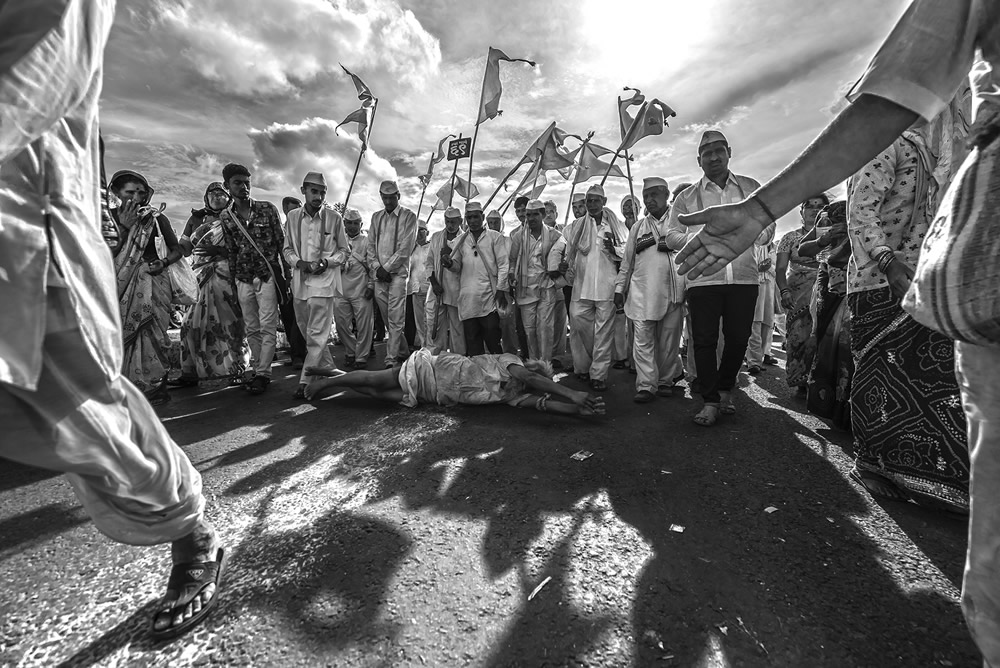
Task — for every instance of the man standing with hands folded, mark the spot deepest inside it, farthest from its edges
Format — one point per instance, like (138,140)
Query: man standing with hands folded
(315,247)
(655,296)
(392,235)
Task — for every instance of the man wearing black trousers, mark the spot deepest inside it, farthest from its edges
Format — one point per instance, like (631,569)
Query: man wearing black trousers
(729,296)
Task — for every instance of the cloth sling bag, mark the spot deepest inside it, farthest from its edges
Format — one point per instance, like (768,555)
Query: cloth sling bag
(279,285)
(956,287)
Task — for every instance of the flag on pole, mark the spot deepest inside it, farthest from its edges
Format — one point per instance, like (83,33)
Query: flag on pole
(489,101)
(364,92)
(625,119)
(441,151)
(361,117)
(589,164)
(462,188)
(650,120)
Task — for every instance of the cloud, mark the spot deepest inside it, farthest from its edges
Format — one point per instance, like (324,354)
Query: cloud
(259,50)
(285,152)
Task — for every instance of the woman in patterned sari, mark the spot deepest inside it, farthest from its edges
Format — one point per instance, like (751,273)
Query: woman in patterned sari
(143,287)
(906,411)
(213,338)
(795,277)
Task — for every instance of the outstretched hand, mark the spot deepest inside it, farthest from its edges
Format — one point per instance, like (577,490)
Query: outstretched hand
(728,230)
(589,404)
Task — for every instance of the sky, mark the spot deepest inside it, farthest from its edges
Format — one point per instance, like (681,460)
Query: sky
(190,86)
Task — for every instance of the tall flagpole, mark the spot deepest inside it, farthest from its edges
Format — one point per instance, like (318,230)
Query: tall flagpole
(475,133)
(364,147)
(569,206)
(424,189)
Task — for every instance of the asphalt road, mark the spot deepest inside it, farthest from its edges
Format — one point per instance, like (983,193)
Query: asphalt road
(366,534)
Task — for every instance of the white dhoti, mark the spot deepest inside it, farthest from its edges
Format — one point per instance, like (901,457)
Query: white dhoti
(132,479)
(539,324)
(391,300)
(762,332)
(450,331)
(592,336)
(419,300)
(655,350)
(358,343)
(314,317)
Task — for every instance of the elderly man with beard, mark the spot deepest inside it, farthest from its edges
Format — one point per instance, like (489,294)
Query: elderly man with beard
(391,238)
(354,299)
(480,260)
(536,294)
(315,248)
(729,297)
(444,327)
(594,246)
(652,294)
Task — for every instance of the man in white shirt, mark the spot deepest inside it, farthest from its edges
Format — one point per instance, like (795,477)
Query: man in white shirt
(480,260)
(536,294)
(594,244)
(731,296)
(315,248)
(391,238)
(444,327)
(64,404)
(579,205)
(416,285)
(354,303)
(652,294)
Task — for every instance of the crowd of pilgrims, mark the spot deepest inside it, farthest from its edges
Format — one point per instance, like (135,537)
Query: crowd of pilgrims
(484,295)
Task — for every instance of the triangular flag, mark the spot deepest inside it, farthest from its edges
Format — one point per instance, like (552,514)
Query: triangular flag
(364,92)
(625,119)
(441,150)
(590,165)
(359,116)
(462,188)
(649,121)
(489,101)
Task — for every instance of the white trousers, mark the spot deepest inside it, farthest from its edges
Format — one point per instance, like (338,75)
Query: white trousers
(132,479)
(362,311)
(259,302)
(391,300)
(592,336)
(623,338)
(978,368)
(420,318)
(559,319)
(656,350)
(314,317)
(539,324)
(451,332)
(762,332)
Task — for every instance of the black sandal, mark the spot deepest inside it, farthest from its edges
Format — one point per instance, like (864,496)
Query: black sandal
(258,385)
(189,580)
(879,486)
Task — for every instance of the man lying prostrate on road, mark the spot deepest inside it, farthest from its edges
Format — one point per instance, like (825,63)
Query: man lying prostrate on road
(448,379)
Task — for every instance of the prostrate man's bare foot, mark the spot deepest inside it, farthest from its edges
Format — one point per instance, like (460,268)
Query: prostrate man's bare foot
(199,562)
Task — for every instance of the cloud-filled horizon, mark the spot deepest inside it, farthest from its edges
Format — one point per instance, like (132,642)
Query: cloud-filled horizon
(192,86)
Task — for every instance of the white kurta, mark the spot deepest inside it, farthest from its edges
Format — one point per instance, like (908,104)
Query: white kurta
(354,275)
(482,266)
(310,239)
(649,277)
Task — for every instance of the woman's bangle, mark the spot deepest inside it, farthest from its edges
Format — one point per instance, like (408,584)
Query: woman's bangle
(764,208)
(885,259)
(784,290)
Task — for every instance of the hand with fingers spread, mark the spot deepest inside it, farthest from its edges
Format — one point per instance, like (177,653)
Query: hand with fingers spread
(728,230)
(589,404)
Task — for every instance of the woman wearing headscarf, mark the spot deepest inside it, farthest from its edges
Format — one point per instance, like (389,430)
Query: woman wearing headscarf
(795,276)
(143,287)
(213,338)
(833,365)
(906,410)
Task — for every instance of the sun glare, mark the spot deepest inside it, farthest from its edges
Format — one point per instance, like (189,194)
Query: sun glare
(642,40)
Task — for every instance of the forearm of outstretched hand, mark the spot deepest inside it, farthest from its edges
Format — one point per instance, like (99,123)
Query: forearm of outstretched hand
(854,137)
(539,382)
